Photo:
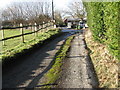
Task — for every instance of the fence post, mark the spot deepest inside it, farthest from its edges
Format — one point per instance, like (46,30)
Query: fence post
(54,24)
(43,26)
(40,28)
(48,26)
(35,29)
(22,32)
(30,26)
(51,24)
(3,37)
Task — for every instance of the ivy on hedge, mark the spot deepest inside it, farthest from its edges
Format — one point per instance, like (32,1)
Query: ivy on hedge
(104,22)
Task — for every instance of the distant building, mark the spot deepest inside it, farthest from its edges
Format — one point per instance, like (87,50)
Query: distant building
(76,22)
(72,23)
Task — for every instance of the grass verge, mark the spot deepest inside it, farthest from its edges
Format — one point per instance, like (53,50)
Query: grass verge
(104,63)
(54,73)
(25,47)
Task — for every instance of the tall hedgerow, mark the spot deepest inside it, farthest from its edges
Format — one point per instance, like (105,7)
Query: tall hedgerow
(112,25)
(95,16)
(104,22)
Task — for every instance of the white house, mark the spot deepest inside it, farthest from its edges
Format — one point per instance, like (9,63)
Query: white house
(71,23)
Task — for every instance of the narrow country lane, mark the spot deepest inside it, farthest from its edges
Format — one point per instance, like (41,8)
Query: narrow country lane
(77,71)
(29,72)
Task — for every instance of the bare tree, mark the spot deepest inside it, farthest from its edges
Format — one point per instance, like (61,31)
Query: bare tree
(27,12)
(76,10)
(58,17)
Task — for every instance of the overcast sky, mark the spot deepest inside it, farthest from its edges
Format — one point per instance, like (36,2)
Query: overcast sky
(59,4)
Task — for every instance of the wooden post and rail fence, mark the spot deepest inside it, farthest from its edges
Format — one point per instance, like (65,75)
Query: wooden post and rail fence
(35,29)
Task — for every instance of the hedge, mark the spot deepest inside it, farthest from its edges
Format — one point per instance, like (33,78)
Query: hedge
(104,22)
(112,24)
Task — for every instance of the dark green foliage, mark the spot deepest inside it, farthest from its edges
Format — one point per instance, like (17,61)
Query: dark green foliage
(112,24)
(104,21)
(95,19)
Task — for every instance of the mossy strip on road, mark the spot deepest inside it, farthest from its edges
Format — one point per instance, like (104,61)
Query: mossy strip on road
(54,73)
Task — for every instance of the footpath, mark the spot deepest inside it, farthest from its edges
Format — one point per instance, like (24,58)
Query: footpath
(78,71)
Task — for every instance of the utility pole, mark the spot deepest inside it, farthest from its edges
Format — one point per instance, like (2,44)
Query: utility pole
(52,10)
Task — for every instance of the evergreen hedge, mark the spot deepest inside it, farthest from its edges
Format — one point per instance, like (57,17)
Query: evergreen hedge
(104,21)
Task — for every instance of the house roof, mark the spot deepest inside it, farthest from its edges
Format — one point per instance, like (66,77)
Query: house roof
(73,19)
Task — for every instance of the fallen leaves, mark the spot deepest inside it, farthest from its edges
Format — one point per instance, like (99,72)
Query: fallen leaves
(105,64)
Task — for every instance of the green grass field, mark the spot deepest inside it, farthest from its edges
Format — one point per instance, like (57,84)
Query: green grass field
(11,43)
(15,46)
